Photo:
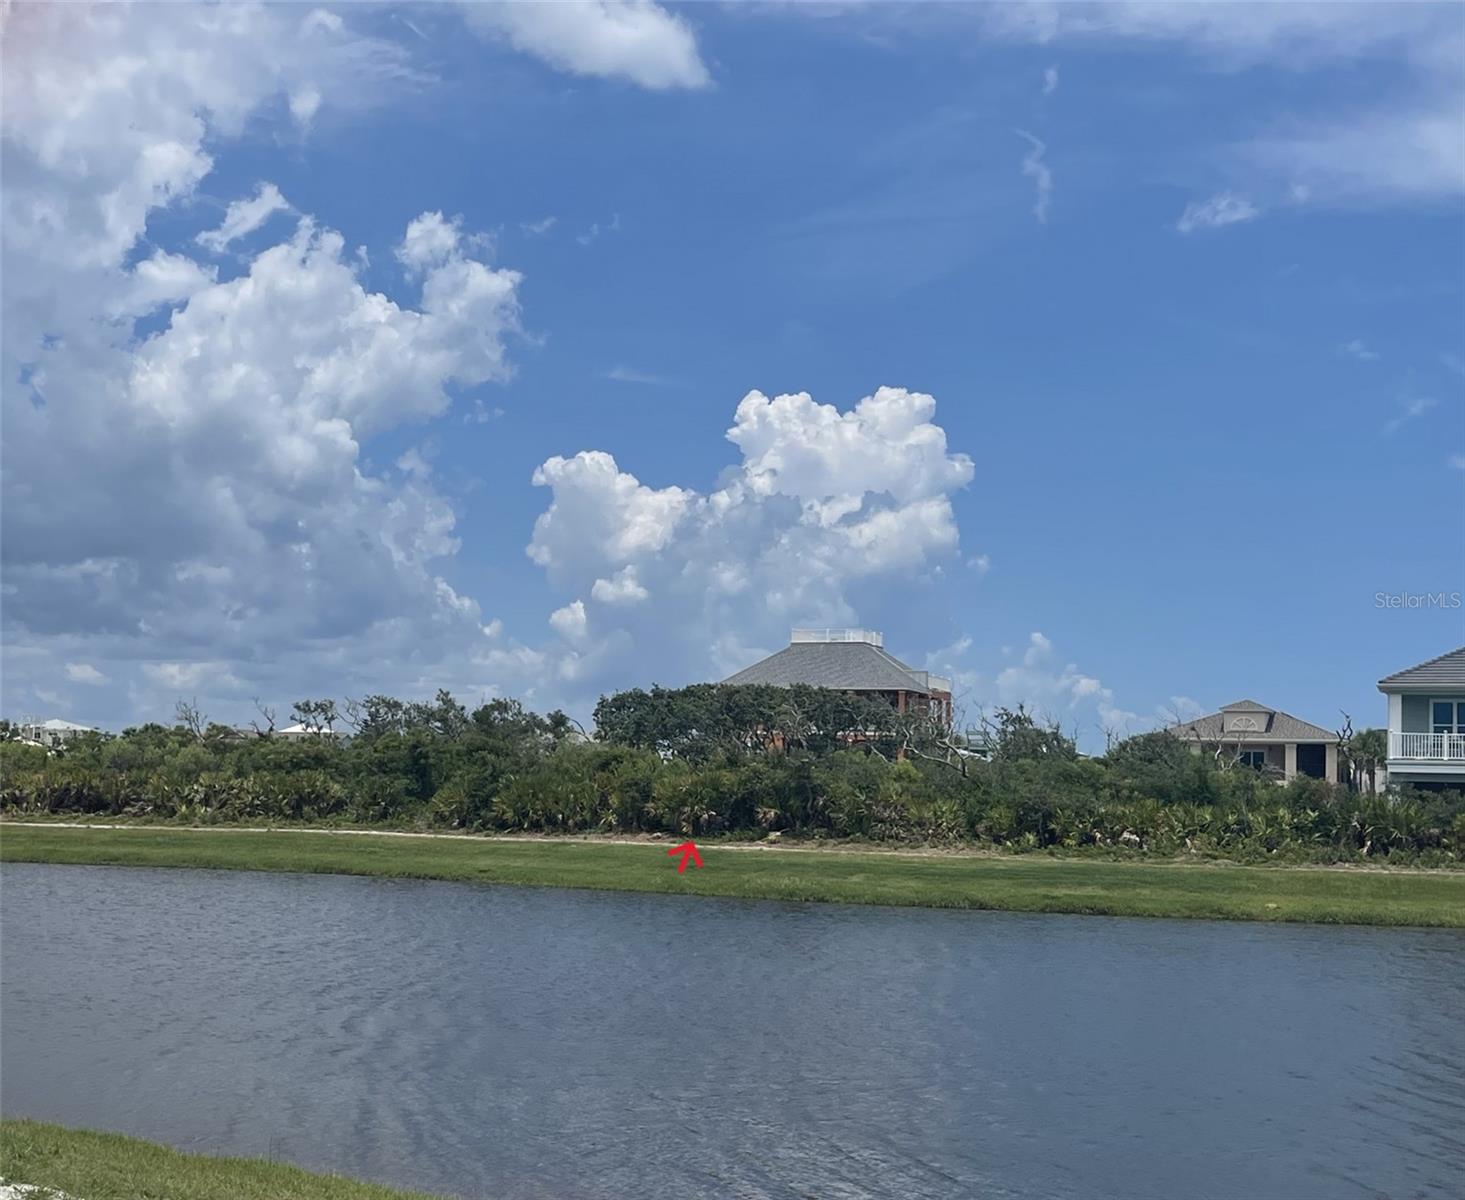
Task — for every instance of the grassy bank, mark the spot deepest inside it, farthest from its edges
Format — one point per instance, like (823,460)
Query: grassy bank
(83,1165)
(1021,884)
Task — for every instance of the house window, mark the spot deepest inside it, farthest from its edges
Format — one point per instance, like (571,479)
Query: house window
(1256,759)
(1447,716)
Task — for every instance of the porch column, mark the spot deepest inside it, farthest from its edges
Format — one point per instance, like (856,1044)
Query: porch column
(1330,771)
(900,702)
(1290,767)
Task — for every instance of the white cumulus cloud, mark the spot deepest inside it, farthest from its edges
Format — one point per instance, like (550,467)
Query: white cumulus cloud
(600,515)
(570,621)
(823,503)
(621,588)
(233,427)
(430,241)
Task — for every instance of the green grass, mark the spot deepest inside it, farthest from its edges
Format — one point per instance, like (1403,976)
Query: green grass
(1348,895)
(107,1166)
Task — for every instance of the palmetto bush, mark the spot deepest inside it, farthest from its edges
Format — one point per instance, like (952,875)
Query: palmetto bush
(66,789)
(1383,824)
(625,784)
(548,798)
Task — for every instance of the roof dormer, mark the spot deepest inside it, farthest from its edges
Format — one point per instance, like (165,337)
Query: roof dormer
(1246,716)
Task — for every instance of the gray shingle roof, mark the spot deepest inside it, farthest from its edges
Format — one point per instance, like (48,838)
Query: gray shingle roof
(1448,670)
(848,666)
(1280,726)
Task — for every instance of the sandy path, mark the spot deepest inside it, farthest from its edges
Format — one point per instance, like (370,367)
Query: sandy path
(583,839)
(746,847)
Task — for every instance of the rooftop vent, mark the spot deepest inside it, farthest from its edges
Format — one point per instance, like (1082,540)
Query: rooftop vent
(870,637)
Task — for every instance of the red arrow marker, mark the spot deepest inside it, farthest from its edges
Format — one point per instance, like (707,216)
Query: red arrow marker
(687,850)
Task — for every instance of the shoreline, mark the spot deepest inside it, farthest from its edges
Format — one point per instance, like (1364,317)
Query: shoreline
(1080,885)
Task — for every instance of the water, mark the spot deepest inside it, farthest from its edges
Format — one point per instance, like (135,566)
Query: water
(510,1043)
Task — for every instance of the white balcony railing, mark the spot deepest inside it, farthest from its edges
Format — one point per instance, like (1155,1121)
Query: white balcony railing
(1428,747)
(870,636)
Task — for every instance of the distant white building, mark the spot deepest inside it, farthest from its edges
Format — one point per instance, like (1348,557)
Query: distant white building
(299,732)
(54,732)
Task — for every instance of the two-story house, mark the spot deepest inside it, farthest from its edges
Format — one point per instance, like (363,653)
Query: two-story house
(53,733)
(1427,722)
(853,661)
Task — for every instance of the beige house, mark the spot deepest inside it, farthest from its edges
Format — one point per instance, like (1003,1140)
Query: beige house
(1267,739)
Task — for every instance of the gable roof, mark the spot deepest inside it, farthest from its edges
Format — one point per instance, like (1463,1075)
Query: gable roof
(1279,726)
(845,666)
(1447,670)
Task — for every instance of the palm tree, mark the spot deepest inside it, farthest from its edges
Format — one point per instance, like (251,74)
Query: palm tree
(1365,751)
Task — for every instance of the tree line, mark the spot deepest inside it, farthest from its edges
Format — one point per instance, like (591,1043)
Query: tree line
(737,761)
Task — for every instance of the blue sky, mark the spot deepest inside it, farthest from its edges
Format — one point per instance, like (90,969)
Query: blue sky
(1184,282)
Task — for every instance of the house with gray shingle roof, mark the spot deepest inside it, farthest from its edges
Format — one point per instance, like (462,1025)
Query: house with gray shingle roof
(1427,722)
(854,661)
(1267,739)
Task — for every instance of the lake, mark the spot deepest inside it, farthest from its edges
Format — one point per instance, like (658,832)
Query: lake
(508,1043)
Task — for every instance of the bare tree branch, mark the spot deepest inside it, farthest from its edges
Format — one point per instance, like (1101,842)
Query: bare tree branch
(269,716)
(188,714)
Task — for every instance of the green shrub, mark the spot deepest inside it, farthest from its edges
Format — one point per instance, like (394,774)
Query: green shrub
(710,760)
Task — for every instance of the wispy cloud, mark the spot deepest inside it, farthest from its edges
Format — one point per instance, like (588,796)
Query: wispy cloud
(1458,461)
(414,28)
(482,414)
(596,229)
(945,658)
(1454,363)
(624,374)
(1046,685)
(1050,80)
(1034,168)
(612,39)
(243,217)
(84,673)
(539,227)
(1222,209)
(1357,349)
(1395,144)
(1182,708)
(1408,411)
(1412,153)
